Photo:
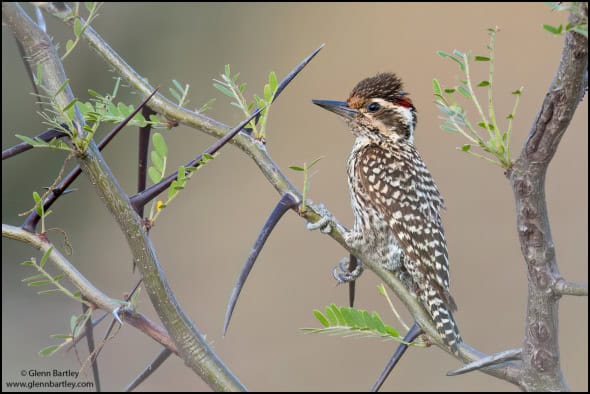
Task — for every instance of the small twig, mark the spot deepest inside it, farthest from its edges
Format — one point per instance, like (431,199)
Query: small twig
(564,287)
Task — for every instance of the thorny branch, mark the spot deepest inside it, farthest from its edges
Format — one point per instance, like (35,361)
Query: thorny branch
(540,364)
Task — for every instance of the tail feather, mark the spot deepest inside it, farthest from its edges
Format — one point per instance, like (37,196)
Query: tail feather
(443,319)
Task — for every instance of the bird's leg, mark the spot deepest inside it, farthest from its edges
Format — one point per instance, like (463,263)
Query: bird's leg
(348,269)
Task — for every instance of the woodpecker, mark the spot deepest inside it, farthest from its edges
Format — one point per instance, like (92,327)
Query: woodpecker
(396,203)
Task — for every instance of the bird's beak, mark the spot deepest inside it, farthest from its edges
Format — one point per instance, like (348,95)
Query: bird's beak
(338,107)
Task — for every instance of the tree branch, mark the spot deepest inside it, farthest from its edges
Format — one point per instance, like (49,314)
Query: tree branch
(507,371)
(191,344)
(541,362)
(564,287)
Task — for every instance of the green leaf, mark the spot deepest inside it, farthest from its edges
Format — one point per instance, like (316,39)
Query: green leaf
(296,168)
(582,29)
(227,71)
(69,45)
(58,277)
(448,128)
(487,126)
(157,161)
(321,318)
(482,59)
(178,85)
(60,336)
(62,87)
(26,139)
(48,351)
(273,81)
(338,314)
(94,93)
(89,5)
(331,316)
(458,53)
(160,144)
(553,30)
(484,83)
(175,94)
(517,92)
(464,92)
(357,317)
(172,190)
(391,331)
(28,262)
(510,117)
(208,156)
(313,163)
(443,54)
(77,27)
(347,317)
(34,277)
(39,283)
(436,87)
(267,93)
(45,257)
(181,177)
(466,147)
(450,90)
(155,175)
(36,197)
(459,62)
(69,105)
(378,323)
(223,89)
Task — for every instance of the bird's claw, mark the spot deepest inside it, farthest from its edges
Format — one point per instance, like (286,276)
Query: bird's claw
(325,223)
(342,271)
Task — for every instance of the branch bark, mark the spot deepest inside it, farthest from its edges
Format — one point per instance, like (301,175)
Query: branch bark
(541,361)
(191,344)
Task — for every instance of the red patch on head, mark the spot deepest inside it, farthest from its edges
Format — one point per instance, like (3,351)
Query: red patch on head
(405,102)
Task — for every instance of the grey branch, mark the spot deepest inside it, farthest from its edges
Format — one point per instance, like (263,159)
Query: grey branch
(541,362)
(191,344)
(564,287)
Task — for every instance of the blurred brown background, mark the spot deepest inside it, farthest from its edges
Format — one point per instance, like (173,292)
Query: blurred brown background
(205,235)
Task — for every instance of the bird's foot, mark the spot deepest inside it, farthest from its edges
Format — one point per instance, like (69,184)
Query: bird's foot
(345,273)
(326,222)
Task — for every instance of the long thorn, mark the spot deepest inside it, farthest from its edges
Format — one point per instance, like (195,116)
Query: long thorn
(140,199)
(352,264)
(412,334)
(89,328)
(149,369)
(289,77)
(285,203)
(488,361)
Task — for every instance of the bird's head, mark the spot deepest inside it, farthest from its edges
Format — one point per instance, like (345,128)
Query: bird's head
(377,107)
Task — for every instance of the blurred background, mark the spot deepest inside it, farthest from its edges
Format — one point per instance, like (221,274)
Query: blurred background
(203,238)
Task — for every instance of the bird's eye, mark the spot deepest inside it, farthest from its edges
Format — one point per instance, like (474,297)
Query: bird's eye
(373,107)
